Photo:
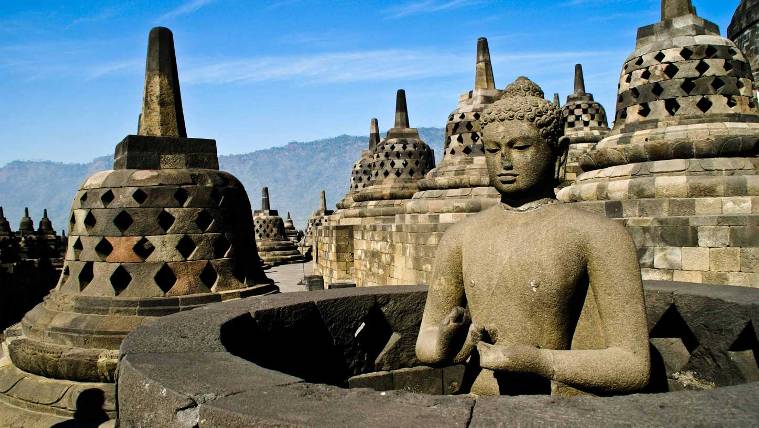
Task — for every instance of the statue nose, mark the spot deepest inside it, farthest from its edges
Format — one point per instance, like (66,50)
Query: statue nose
(506,161)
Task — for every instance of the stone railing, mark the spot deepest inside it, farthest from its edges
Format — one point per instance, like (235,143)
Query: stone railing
(287,359)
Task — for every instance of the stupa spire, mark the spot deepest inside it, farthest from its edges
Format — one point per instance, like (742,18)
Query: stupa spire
(323,203)
(401,111)
(556,100)
(484,69)
(579,80)
(45,224)
(162,113)
(374,135)
(26,225)
(674,8)
(5,226)
(265,206)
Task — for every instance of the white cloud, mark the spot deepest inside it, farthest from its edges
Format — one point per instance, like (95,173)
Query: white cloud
(185,8)
(370,66)
(428,6)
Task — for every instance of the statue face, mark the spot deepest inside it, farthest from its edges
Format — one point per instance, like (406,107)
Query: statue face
(518,159)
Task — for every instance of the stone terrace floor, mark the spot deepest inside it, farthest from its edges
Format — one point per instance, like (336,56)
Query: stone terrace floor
(287,277)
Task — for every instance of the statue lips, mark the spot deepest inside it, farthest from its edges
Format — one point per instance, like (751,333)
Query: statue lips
(507,177)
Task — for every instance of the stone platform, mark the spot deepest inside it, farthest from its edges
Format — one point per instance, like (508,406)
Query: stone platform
(242,363)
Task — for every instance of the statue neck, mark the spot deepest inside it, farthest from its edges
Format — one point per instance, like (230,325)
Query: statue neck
(525,199)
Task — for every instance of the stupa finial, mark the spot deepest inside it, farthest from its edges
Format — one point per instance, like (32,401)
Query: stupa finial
(162,113)
(374,135)
(579,80)
(323,203)
(556,99)
(674,8)
(484,69)
(401,111)
(265,206)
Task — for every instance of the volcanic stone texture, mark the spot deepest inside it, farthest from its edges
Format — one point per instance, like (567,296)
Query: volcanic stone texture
(679,167)
(191,368)
(393,241)
(744,31)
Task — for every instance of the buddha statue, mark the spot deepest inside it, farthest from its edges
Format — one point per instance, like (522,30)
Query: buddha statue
(533,295)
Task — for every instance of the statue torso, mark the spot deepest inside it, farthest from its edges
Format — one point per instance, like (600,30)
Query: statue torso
(524,274)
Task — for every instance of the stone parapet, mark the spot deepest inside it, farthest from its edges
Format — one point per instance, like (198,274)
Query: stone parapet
(234,356)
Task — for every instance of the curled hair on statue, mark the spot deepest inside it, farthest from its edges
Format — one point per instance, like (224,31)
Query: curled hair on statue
(524,100)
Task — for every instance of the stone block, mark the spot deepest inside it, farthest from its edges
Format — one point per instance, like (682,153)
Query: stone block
(750,260)
(695,259)
(425,380)
(724,259)
(713,236)
(671,187)
(736,205)
(656,274)
(744,236)
(668,258)
(378,381)
(687,276)
(708,206)
(682,207)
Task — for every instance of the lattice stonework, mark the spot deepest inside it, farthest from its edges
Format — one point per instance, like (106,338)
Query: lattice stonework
(155,240)
(684,81)
(401,158)
(269,228)
(361,174)
(584,115)
(463,135)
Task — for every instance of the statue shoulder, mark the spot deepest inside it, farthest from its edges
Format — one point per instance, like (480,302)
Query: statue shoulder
(467,227)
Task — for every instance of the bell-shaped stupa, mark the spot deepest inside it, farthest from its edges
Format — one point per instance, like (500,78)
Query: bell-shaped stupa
(164,231)
(274,247)
(45,225)
(26,225)
(584,125)
(744,31)
(361,173)
(460,183)
(681,157)
(5,225)
(399,161)
(292,233)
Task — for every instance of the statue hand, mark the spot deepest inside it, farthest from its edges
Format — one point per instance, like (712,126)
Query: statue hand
(454,323)
(516,358)
(473,337)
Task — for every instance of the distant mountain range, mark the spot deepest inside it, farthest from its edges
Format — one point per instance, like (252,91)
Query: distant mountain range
(295,174)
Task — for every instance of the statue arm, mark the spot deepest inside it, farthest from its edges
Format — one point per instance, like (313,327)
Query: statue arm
(616,286)
(445,320)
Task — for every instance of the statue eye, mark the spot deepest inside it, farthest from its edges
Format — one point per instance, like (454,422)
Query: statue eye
(521,146)
(492,149)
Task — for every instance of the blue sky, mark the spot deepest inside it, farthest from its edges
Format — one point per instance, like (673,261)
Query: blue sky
(257,74)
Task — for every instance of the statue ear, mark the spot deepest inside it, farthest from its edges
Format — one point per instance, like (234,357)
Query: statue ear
(562,150)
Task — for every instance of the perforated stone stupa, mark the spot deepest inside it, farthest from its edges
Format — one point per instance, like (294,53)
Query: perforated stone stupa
(274,247)
(399,160)
(162,232)
(393,242)
(318,218)
(292,233)
(584,125)
(744,31)
(679,167)
(361,173)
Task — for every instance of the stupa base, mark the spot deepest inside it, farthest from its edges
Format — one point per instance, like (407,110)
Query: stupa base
(30,400)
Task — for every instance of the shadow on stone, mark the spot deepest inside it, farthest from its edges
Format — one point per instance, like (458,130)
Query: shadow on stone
(293,340)
(89,410)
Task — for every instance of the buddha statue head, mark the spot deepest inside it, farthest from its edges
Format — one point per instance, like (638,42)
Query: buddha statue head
(524,147)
